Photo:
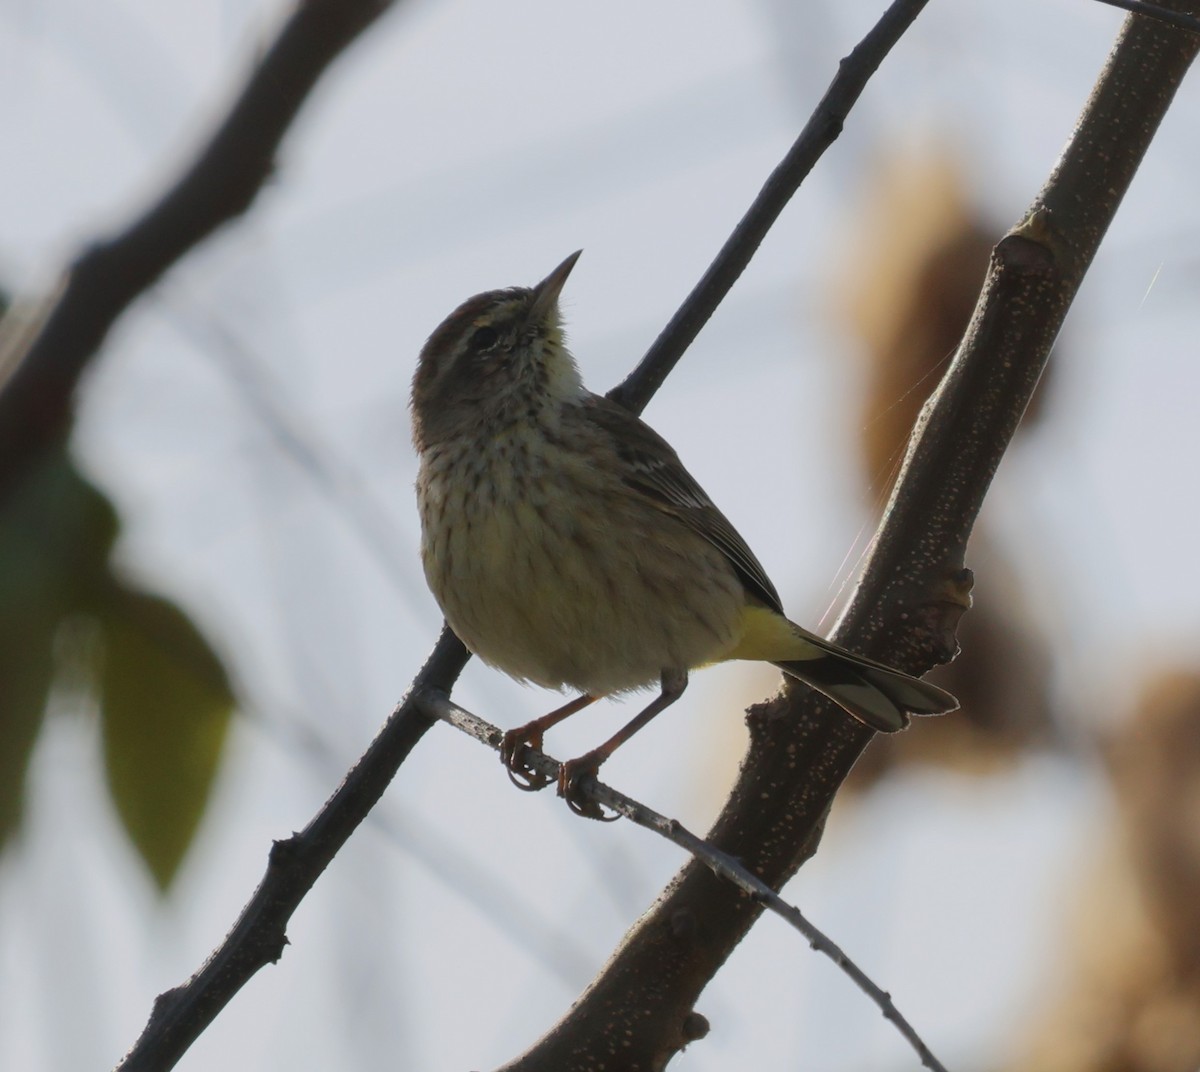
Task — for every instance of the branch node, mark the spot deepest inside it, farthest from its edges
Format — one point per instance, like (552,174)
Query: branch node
(283,851)
(1032,246)
(166,1001)
(940,616)
(694,1027)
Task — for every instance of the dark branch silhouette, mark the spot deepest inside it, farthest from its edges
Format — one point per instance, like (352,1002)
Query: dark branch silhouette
(1156,11)
(821,131)
(43,352)
(259,936)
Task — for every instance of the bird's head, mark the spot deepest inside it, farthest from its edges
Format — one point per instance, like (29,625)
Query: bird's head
(499,357)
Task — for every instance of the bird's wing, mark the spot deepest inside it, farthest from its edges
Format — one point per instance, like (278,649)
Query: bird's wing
(653,469)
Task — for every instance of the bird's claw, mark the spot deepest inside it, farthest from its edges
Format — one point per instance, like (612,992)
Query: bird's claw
(574,777)
(513,749)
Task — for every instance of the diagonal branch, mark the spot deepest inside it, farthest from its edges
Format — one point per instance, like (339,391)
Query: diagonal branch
(635,1014)
(1155,11)
(44,352)
(438,705)
(259,935)
(819,133)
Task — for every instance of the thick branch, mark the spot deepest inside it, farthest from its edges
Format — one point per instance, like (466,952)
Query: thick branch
(635,1014)
(41,362)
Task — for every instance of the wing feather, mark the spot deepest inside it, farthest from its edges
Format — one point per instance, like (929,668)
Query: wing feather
(654,470)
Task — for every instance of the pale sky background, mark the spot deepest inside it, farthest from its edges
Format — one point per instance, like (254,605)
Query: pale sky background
(465,145)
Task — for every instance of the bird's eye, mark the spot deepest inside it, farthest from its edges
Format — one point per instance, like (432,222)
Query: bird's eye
(484,338)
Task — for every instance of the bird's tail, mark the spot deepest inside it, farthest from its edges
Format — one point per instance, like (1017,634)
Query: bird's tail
(873,693)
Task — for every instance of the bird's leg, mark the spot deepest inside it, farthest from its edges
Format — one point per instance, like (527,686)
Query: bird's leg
(530,735)
(574,771)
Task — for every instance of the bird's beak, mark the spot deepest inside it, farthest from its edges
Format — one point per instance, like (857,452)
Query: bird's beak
(547,291)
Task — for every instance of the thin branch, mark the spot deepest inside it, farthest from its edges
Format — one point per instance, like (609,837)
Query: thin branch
(438,705)
(1155,11)
(44,351)
(493,891)
(821,131)
(260,933)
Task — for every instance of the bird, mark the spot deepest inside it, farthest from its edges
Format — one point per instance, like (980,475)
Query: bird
(568,546)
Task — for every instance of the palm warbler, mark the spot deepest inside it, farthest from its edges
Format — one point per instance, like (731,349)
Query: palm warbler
(568,546)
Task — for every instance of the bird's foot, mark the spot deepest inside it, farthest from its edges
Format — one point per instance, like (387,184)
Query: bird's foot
(575,777)
(513,749)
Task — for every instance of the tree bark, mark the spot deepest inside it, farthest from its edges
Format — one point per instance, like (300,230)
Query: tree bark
(639,1011)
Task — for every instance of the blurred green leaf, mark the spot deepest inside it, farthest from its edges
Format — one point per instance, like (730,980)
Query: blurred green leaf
(56,532)
(26,670)
(166,709)
(165,698)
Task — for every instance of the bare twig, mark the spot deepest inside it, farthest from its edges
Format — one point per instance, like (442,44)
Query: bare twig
(821,131)
(259,935)
(1157,11)
(438,705)
(43,354)
(492,890)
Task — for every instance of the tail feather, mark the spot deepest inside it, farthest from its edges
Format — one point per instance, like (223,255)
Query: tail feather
(873,693)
